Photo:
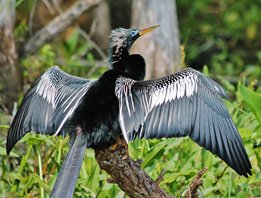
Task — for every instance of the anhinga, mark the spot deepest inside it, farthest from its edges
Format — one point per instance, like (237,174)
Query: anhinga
(95,113)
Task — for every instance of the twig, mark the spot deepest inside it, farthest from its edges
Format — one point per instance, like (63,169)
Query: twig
(58,24)
(220,175)
(92,43)
(31,18)
(160,177)
(96,47)
(93,27)
(194,185)
(57,7)
(48,5)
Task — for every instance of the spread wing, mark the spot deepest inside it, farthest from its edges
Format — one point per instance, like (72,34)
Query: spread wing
(47,105)
(183,104)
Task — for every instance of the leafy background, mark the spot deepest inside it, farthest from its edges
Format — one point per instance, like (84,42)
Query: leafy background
(221,38)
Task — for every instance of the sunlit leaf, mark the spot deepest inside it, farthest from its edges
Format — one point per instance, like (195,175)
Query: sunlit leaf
(155,150)
(41,183)
(253,100)
(3,152)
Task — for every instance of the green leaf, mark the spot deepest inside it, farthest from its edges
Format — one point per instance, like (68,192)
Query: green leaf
(22,167)
(253,100)
(4,126)
(88,191)
(72,41)
(169,178)
(41,183)
(3,152)
(155,150)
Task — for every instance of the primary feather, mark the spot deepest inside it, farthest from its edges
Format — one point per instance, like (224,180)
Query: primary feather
(183,104)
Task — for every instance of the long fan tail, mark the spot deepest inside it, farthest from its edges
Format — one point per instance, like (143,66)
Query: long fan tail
(68,175)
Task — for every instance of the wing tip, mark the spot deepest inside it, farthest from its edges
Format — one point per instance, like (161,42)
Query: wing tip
(9,145)
(8,149)
(243,170)
(246,173)
(12,138)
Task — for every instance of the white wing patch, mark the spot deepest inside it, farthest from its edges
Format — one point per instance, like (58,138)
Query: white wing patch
(162,91)
(76,97)
(54,92)
(185,86)
(47,90)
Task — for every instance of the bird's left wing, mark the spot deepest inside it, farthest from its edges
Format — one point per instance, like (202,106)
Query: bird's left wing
(183,104)
(47,105)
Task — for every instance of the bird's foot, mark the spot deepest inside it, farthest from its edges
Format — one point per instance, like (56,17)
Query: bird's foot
(120,142)
(123,143)
(113,147)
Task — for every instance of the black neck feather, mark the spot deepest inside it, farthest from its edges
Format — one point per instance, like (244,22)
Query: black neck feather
(132,65)
(118,57)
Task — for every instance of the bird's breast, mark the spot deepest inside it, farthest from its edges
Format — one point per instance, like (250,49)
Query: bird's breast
(97,115)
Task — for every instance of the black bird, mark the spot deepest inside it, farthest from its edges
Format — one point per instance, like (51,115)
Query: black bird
(96,113)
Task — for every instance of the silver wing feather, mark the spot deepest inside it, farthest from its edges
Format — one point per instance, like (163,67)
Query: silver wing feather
(183,104)
(48,104)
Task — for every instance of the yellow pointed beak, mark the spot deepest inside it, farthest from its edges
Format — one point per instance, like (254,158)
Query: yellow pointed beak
(146,30)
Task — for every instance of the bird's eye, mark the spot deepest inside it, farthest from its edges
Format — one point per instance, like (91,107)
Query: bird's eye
(134,32)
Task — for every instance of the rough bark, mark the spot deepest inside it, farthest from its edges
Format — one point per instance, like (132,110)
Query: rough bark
(127,173)
(120,13)
(10,75)
(59,24)
(161,48)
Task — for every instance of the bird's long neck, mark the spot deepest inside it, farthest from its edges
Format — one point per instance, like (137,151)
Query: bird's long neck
(118,57)
(133,66)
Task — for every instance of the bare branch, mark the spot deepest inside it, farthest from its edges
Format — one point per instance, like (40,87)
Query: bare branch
(57,7)
(127,173)
(93,44)
(48,5)
(59,24)
(31,18)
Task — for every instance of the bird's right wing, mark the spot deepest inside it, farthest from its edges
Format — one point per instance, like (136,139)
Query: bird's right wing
(47,105)
(183,104)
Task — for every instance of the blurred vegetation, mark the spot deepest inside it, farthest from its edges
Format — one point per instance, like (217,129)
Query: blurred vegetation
(220,34)
(225,35)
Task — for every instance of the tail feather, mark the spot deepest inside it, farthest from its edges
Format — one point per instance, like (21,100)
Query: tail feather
(65,183)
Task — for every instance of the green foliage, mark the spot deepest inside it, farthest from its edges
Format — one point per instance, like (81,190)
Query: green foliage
(253,100)
(222,34)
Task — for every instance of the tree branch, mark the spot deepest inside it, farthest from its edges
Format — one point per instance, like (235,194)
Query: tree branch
(195,184)
(127,173)
(58,24)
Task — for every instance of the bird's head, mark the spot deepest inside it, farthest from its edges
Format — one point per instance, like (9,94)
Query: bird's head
(121,40)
